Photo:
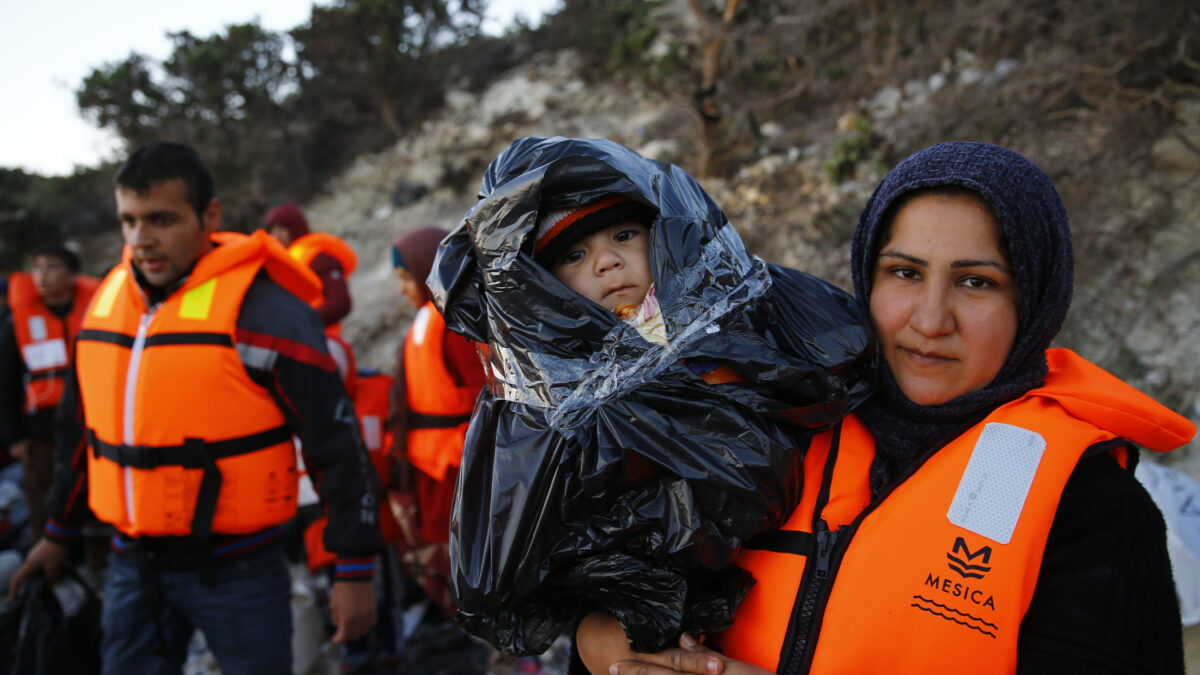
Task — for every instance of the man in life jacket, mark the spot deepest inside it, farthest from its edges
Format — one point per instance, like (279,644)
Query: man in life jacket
(36,350)
(329,257)
(197,362)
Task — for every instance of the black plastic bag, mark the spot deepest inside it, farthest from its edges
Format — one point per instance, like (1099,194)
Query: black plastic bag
(599,470)
(51,629)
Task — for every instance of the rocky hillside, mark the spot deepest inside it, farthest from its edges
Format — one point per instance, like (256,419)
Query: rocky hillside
(1136,218)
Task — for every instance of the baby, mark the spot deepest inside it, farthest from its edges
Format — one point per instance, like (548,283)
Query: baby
(602,251)
(652,388)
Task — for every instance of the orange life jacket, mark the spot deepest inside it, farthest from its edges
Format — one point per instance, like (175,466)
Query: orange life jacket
(182,440)
(46,340)
(438,408)
(371,404)
(309,246)
(938,576)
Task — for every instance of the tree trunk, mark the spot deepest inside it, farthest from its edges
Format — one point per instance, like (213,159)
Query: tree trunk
(710,71)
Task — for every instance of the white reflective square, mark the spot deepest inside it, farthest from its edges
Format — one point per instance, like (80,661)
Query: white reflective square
(996,482)
(44,355)
(37,328)
(372,432)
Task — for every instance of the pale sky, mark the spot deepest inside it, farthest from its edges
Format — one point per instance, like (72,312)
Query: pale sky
(47,47)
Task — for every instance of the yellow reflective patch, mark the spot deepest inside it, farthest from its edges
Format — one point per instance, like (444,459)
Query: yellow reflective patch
(198,301)
(108,295)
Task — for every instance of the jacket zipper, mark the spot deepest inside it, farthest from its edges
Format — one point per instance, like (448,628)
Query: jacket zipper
(803,628)
(804,625)
(130,399)
(799,648)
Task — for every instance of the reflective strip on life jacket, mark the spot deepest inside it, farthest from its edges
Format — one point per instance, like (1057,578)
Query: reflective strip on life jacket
(371,403)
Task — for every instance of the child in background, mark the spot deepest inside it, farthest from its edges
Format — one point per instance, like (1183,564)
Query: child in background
(438,377)
(652,388)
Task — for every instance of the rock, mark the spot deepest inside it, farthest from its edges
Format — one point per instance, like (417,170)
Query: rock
(408,192)
(886,102)
(1179,152)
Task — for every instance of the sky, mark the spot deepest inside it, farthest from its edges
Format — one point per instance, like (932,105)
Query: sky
(47,47)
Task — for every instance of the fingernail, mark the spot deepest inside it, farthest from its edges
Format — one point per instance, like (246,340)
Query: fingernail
(713,665)
(613,670)
(687,640)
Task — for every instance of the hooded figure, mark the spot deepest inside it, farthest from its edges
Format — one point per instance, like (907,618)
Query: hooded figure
(599,470)
(1037,236)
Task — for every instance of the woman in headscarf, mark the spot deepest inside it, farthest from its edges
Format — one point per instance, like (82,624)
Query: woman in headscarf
(980,513)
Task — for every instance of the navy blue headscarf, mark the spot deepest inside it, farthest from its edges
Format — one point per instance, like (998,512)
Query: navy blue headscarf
(1038,237)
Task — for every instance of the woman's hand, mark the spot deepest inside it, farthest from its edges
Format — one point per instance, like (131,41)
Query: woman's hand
(692,657)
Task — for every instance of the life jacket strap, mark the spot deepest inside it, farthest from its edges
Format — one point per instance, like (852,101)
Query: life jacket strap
(418,420)
(46,374)
(193,454)
(782,541)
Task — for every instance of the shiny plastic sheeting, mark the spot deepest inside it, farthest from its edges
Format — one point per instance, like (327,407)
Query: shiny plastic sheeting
(600,472)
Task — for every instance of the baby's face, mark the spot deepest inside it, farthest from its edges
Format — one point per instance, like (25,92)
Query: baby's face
(610,267)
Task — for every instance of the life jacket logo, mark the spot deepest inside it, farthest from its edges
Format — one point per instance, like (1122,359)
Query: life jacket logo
(960,602)
(962,560)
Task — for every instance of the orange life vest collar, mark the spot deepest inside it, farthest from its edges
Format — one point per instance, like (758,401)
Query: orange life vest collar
(304,249)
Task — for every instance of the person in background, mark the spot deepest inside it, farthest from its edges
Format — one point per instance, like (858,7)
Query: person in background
(36,352)
(438,377)
(980,513)
(329,257)
(197,362)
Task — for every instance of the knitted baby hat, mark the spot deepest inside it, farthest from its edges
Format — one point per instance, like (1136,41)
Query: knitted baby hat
(290,217)
(557,230)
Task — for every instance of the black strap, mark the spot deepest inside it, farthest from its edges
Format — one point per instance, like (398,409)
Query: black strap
(193,454)
(206,507)
(46,374)
(418,420)
(782,541)
(175,339)
(111,337)
(157,340)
